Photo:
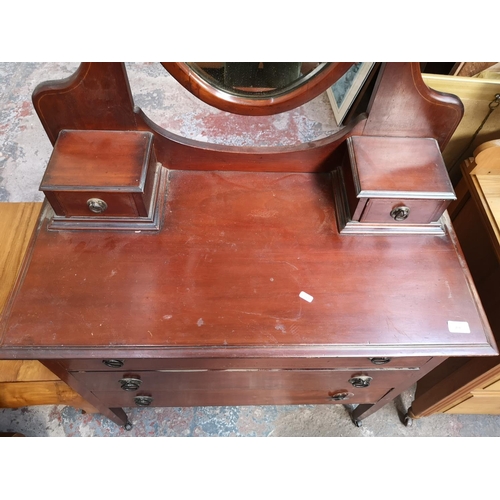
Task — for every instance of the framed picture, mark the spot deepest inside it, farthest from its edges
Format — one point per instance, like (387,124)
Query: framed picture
(345,90)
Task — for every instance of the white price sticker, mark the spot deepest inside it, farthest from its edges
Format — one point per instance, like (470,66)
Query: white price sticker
(458,327)
(306,296)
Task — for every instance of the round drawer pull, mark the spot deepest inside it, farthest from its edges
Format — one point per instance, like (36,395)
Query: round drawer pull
(400,213)
(380,361)
(143,400)
(130,384)
(97,205)
(113,363)
(360,381)
(340,395)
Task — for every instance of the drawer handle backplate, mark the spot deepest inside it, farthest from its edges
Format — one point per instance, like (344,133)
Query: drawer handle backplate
(130,384)
(380,361)
(113,363)
(360,381)
(97,205)
(143,400)
(400,213)
(341,395)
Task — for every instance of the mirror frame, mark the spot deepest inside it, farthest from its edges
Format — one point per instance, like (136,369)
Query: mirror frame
(260,104)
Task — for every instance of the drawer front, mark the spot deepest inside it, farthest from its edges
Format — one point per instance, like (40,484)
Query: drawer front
(243,387)
(117,167)
(74,203)
(231,398)
(378,210)
(111,364)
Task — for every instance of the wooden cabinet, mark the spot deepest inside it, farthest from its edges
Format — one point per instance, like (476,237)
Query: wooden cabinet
(247,291)
(484,398)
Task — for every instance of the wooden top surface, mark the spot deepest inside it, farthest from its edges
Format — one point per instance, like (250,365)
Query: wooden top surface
(225,274)
(411,167)
(90,158)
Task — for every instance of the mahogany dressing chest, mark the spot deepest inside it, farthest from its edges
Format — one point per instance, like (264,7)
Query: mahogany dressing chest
(169,272)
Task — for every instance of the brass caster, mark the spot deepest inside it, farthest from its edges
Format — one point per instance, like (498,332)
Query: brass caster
(128,426)
(357,423)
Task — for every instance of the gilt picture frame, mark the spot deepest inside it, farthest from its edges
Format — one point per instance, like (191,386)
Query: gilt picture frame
(344,91)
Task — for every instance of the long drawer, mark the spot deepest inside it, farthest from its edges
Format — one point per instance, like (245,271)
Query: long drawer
(288,363)
(230,398)
(242,387)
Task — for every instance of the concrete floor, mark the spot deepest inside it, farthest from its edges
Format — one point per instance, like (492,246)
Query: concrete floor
(24,152)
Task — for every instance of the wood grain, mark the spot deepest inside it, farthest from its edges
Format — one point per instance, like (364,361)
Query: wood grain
(25,371)
(17,221)
(96,97)
(483,179)
(403,106)
(55,392)
(24,383)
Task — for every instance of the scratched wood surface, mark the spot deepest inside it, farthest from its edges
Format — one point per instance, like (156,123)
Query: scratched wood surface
(235,251)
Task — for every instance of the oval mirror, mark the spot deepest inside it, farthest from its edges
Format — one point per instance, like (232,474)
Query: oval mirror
(256,88)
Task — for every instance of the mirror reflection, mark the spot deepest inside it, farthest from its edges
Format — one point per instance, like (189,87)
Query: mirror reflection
(257,78)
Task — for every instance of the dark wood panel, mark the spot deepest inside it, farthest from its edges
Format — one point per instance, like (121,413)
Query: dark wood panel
(245,387)
(116,167)
(103,159)
(178,153)
(236,397)
(248,363)
(400,164)
(96,97)
(403,106)
(75,204)
(421,211)
(237,379)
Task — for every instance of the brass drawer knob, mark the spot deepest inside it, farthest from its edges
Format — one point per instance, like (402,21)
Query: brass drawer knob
(400,213)
(143,400)
(380,361)
(97,205)
(360,381)
(113,363)
(130,384)
(340,395)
